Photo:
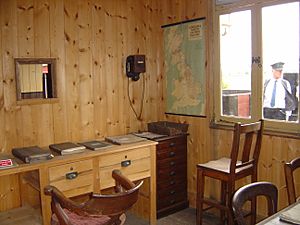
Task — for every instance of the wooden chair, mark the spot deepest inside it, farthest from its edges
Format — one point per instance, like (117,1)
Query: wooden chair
(289,169)
(228,170)
(99,209)
(250,191)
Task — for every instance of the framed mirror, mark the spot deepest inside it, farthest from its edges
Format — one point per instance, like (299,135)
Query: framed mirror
(35,78)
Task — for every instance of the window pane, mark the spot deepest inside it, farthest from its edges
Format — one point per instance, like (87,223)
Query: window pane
(235,57)
(280,25)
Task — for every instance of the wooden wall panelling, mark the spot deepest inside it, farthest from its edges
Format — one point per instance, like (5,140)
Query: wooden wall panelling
(99,76)
(85,69)
(143,40)
(154,82)
(25,27)
(134,32)
(122,17)
(9,112)
(37,120)
(2,113)
(279,153)
(41,27)
(57,50)
(109,67)
(12,115)
(42,114)
(115,57)
(71,69)
(157,82)
(25,30)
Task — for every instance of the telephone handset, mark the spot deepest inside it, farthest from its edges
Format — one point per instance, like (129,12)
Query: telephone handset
(135,64)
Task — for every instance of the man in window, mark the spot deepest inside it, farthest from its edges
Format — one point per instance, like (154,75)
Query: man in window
(278,104)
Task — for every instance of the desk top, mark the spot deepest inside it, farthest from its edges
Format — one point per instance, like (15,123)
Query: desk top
(58,159)
(275,220)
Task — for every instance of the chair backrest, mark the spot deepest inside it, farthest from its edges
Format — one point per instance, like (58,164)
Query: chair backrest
(112,205)
(289,169)
(252,134)
(250,191)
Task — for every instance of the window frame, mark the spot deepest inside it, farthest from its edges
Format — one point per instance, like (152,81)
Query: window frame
(255,7)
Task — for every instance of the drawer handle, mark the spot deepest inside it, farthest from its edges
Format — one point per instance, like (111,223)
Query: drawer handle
(172,173)
(172,163)
(172,144)
(172,192)
(172,154)
(71,175)
(172,182)
(126,163)
(172,201)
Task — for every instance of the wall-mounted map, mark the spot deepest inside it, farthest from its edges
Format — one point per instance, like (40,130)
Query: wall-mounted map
(184,51)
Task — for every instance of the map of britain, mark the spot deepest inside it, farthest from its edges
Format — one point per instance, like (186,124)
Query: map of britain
(185,68)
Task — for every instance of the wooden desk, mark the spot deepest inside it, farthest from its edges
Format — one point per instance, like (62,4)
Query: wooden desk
(93,169)
(274,219)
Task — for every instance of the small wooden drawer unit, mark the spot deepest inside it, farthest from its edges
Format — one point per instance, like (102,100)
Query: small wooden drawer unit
(133,163)
(74,178)
(171,174)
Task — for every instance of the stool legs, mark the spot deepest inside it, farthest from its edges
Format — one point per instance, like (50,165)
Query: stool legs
(200,196)
(230,188)
(223,200)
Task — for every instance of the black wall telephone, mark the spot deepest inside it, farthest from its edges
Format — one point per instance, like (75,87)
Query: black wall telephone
(135,64)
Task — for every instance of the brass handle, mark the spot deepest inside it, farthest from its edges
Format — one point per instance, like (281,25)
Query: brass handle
(172,154)
(172,173)
(71,175)
(172,182)
(126,163)
(172,192)
(172,163)
(172,144)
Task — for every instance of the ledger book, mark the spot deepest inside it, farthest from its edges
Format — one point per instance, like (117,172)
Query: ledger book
(67,148)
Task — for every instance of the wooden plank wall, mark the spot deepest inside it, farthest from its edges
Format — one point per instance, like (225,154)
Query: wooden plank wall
(205,144)
(91,39)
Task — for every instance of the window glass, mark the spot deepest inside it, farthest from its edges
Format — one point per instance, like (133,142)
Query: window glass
(235,60)
(280,45)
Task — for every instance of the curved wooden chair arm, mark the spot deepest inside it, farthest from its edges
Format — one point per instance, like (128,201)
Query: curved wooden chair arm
(62,200)
(112,205)
(121,181)
(59,201)
(250,191)
(126,196)
(289,169)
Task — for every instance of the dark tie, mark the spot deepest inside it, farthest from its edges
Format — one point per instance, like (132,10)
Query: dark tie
(273,94)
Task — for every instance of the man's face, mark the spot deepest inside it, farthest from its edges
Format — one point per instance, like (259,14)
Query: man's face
(277,74)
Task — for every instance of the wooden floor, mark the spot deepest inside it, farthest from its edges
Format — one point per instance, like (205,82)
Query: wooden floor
(21,216)
(29,216)
(184,217)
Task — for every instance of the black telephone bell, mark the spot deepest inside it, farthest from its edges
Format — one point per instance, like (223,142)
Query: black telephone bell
(135,64)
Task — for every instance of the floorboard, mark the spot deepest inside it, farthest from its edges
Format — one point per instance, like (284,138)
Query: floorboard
(29,216)
(184,217)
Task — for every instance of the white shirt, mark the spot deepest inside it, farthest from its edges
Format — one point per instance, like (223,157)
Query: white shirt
(280,94)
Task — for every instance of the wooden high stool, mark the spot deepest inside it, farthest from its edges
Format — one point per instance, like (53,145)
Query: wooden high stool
(246,138)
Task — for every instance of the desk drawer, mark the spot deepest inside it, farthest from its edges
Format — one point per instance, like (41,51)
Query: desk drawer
(172,143)
(170,200)
(172,191)
(135,164)
(73,178)
(173,152)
